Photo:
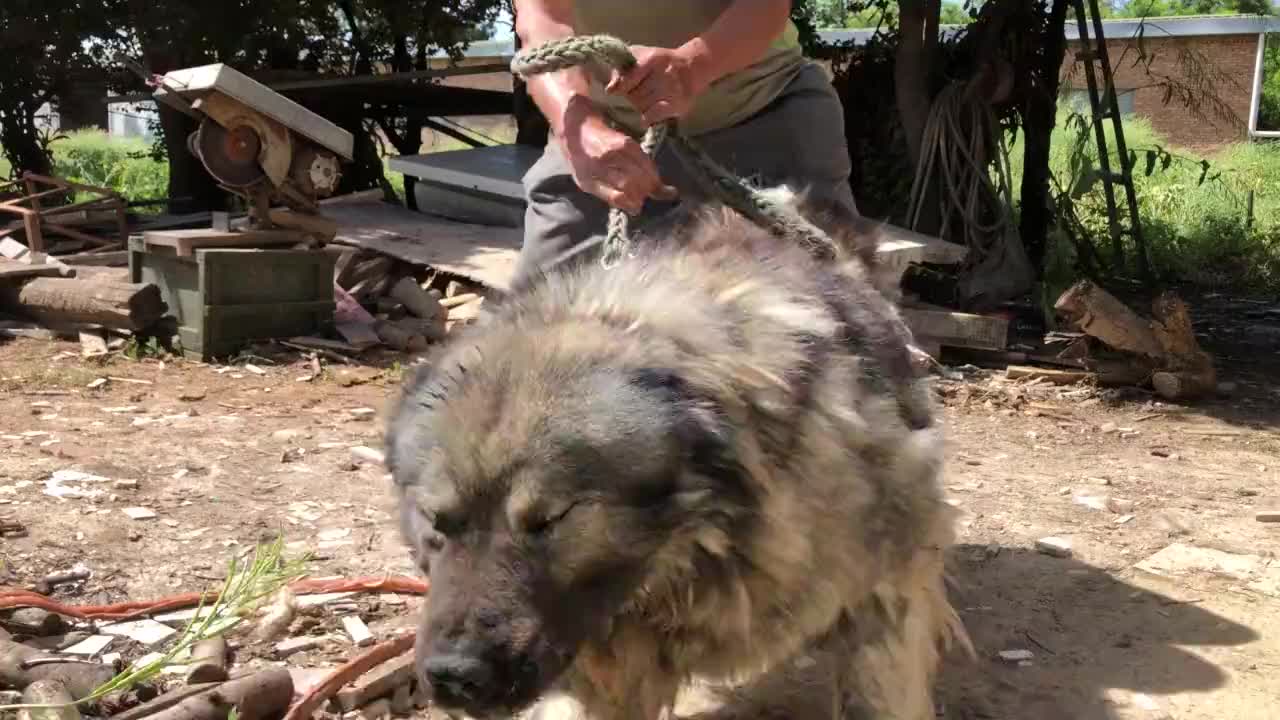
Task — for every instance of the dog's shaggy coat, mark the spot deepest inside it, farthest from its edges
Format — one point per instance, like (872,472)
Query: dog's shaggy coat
(711,463)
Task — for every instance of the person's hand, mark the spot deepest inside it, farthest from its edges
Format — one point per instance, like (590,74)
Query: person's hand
(662,86)
(609,164)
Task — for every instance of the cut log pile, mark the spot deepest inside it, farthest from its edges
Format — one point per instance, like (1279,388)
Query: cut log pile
(383,302)
(1161,351)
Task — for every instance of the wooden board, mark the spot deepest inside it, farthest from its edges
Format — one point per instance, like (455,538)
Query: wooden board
(111,258)
(932,250)
(13,270)
(500,169)
(953,329)
(15,251)
(482,254)
(184,242)
(197,81)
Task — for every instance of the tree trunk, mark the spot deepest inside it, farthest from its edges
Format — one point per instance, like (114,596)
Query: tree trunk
(918,24)
(68,301)
(911,75)
(1039,117)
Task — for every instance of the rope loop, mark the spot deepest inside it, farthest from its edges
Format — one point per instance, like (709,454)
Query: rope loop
(735,192)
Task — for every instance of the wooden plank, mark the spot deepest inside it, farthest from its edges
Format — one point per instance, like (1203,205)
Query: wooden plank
(1052,375)
(953,329)
(13,250)
(13,270)
(112,258)
(185,241)
(60,229)
(500,169)
(933,250)
(173,222)
(319,343)
(479,253)
(68,184)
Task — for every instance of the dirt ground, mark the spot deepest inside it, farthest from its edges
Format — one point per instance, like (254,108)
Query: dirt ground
(229,456)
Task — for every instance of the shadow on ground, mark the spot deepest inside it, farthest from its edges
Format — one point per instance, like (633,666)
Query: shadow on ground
(1243,336)
(1090,634)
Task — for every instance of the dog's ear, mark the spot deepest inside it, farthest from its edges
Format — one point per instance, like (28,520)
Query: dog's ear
(704,432)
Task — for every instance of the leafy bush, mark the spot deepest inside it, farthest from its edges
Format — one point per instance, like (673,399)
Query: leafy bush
(1194,210)
(121,164)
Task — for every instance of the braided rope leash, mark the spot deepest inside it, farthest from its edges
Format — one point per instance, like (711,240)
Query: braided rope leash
(735,192)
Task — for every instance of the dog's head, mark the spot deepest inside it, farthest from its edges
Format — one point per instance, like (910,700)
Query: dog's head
(539,490)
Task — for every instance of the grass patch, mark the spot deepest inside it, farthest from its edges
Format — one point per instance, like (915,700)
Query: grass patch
(92,157)
(1194,209)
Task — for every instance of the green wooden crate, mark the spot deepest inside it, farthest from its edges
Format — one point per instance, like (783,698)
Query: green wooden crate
(225,298)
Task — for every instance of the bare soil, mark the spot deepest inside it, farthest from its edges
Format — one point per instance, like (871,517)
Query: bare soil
(227,457)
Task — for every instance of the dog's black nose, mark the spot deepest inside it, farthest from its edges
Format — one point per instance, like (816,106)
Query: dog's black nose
(458,680)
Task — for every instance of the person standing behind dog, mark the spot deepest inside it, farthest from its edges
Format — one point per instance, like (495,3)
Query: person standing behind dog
(731,72)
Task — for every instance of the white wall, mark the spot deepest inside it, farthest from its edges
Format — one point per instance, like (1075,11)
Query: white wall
(131,119)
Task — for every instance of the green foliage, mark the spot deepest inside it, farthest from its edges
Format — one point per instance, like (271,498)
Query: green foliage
(1194,210)
(1173,8)
(92,157)
(876,13)
(136,349)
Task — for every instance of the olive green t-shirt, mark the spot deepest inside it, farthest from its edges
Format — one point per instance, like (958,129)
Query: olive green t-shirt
(727,102)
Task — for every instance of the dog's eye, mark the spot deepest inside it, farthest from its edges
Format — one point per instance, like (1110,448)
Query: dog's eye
(540,524)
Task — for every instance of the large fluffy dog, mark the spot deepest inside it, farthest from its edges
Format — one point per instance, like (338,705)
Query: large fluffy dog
(711,462)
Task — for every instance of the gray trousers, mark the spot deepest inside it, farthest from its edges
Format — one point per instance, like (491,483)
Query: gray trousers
(797,140)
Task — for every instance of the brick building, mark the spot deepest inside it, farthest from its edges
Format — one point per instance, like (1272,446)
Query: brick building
(1150,57)
(1218,51)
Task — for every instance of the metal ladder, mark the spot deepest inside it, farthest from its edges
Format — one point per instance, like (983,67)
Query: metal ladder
(1105,105)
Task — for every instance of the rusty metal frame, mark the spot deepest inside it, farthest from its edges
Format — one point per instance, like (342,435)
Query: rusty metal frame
(37,221)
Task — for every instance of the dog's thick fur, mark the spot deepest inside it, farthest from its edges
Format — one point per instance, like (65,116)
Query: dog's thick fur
(713,462)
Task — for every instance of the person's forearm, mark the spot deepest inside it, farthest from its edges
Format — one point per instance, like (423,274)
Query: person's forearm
(738,38)
(560,93)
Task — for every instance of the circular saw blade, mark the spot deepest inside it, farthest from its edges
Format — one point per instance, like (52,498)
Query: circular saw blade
(231,156)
